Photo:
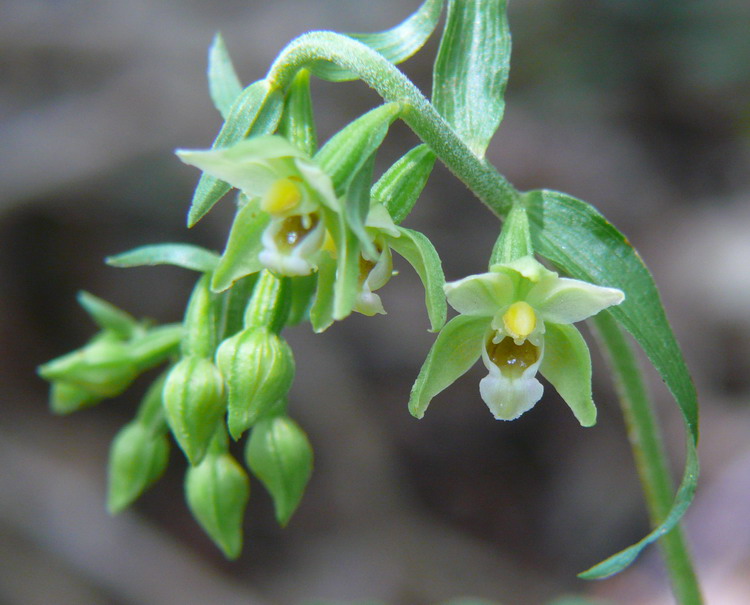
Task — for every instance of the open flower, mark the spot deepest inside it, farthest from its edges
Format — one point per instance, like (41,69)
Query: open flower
(518,318)
(291,200)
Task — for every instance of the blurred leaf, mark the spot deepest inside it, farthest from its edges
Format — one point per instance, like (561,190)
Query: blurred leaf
(107,316)
(396,44)
(579,240)
(471,70)
(399,188)
(186,256)
(223,84)
(255,112)
(419,252)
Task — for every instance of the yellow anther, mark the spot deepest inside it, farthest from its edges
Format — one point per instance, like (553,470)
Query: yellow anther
(519,320)
(284,195)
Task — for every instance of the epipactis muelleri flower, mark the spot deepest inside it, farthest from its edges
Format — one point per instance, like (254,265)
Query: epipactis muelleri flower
(517,317)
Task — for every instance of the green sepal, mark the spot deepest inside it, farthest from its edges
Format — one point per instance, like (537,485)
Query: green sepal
(217,491)
(151,411)
(321,312)
(255,112)
(66,398)
(223,84)
(302,290)
(396,44)
(346,279)
(240,257)
(137,458)
(186,256)
(297,121)
(346,152)
(258,367)
(417,249)
(399,188)
(107,316)
(199,337)
(579,240)
(567,366)
(357,205)
(194,404)
(514,241)
(280,455)
(471,70)
(457,348)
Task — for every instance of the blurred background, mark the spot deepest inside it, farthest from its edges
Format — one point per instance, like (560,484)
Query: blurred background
(638,107)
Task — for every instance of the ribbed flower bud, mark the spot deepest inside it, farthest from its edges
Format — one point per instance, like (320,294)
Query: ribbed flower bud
(279,454)
(194,403)
(217,491)
(258,367)
(137,458)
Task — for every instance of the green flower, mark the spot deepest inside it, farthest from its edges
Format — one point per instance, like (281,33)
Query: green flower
(518,318)
(294,193)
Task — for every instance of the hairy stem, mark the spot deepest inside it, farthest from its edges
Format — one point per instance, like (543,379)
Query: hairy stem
(650,459)
(419,114)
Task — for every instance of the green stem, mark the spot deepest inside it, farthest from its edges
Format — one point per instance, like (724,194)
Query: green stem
(650,459)
(419,114)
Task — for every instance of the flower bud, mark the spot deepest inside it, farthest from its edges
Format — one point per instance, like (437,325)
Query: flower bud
(217,491)
(66,398)
(194,403)
(258,367)
(279,454)
(104,367)
(137,458)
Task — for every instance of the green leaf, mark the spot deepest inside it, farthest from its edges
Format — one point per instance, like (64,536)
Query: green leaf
(421,254)
(137,459)
(579,240)
(107,316)
(243,247)
(514,241)
(223,84)
(471,70)
(298,122)
(396,44)
(457,348)
(279,454)
(346,152)
(255,112)
(401,185)
(567,365)
(217,491)
(186,256)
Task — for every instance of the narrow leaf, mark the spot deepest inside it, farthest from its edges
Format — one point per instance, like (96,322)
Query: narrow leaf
(223,84)
(471,70)
(186,256)
(401,185)
(457,348)
(255,112)
(396,44)
(421,254)
(243,247)
(343,156)
(579,240)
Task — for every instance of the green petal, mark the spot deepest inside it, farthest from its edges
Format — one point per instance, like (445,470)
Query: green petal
(457,348)
(566,301)
(481,295)
(223,84)
(244,165)
(243,247)
(421,254)
(567,365)
(396,44)
(321,312)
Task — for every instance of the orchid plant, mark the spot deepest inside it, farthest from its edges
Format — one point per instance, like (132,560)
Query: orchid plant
(312,241)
